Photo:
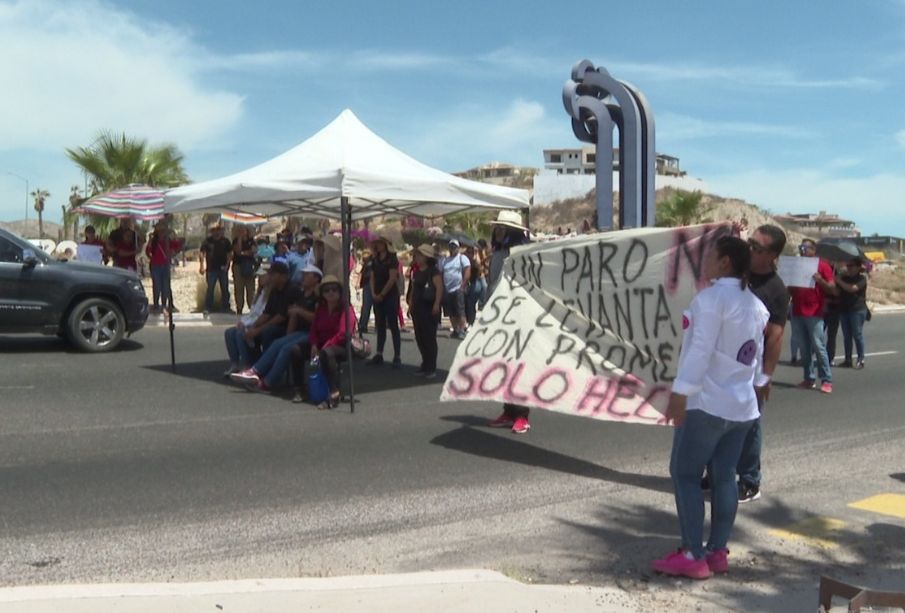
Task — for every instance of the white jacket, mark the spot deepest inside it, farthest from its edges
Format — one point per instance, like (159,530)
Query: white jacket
(722,351)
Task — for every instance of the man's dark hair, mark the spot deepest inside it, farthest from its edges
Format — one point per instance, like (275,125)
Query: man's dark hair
(777,237)
(739,254)
(90,229)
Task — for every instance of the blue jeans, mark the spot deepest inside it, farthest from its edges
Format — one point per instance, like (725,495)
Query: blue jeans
(367,301)
(853,329)
(794,340)
(160,283)
(221,277)
(273,363)
(748,468)
(243,354)
(704,438)
(476,291)
(812,334)
(238,350)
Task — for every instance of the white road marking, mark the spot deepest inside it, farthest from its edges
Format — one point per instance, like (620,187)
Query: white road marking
(17,387)
(876,353)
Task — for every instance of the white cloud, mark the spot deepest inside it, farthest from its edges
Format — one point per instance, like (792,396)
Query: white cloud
(674,126)
(873,202)
(900,136)
(474,134)
(73,68)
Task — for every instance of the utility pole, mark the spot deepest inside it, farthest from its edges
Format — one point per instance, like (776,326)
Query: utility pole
(21,178)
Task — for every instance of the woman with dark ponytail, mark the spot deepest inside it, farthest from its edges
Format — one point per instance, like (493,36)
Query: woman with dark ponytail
(713,405)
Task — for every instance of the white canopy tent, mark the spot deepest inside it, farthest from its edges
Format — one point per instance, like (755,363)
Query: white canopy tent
(343,172)
(345,160)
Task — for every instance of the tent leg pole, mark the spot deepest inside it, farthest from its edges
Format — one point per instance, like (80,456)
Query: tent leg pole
(346,214)
(169,303)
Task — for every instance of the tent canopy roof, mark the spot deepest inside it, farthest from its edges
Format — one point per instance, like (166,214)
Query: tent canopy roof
(344,159)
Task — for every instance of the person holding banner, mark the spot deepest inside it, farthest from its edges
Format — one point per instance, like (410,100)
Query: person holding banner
(508,232)
(713,405)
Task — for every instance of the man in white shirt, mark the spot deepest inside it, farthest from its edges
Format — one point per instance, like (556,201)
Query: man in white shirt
(456,269)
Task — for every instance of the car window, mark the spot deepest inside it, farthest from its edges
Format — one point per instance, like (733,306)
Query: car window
(9,251)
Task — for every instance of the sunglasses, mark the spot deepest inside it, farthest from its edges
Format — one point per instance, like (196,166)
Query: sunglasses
(330,288)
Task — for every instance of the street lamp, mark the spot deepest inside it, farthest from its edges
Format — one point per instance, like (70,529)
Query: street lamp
(20,177)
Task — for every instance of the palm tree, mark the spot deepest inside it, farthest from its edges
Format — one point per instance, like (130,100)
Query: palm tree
(682,209)
(40,196)
(115,160)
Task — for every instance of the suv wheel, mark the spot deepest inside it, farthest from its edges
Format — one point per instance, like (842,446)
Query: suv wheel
(96,324)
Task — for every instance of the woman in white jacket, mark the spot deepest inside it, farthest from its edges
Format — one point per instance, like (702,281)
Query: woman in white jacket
(713,404)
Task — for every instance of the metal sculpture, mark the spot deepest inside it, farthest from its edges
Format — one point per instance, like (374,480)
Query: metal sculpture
(597,103)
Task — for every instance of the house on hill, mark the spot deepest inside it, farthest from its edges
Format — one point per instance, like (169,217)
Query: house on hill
(821,225)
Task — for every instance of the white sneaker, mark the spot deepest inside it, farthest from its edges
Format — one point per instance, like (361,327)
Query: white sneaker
(233,368)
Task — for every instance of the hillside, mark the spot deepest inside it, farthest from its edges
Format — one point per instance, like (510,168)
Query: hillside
(573,212)
(30,229)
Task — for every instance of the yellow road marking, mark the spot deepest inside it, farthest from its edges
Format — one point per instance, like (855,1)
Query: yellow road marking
(816,531)
(884,504)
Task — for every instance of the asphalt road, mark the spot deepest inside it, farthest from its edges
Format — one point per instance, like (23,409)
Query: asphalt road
(114,469)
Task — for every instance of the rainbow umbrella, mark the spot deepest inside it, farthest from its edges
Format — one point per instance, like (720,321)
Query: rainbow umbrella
(246,219)
(135,201)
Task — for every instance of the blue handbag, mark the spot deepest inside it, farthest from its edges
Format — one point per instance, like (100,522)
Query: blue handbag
(318,390)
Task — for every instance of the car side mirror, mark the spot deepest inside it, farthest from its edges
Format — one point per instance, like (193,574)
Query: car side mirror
(29,258)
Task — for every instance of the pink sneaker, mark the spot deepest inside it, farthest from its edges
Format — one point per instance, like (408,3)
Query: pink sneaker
(826,387)
(244,376)
(679,565)
(503,421)
(718,561)
(521,425)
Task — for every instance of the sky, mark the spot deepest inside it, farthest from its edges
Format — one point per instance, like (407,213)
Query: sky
(793,106)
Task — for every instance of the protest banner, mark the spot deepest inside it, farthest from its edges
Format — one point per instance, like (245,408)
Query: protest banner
(588,326)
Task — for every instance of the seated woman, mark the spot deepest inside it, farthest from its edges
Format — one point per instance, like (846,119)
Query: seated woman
(327,338)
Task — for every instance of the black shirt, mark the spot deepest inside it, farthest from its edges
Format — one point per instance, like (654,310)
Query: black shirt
(423,282)
(247,244)
(309,303)
(280,300)
(849,302)
(770,289)
(216,251)
(380,269)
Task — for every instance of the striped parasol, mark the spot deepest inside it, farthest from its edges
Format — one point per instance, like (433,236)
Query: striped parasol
(246,219)
(135,201)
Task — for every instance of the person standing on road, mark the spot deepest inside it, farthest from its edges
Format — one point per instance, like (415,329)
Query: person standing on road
(216,254)
(767,245)
(713,405)
(385,294)
(507,232)
(456,271)
(123,245)
(424,296)
(477,285)
(160,250)
(243,268)
(364,284)
(807,323)
(852,284)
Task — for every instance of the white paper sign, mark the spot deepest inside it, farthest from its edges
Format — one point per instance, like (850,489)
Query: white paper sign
(92,254)
(587,326)
(797,272)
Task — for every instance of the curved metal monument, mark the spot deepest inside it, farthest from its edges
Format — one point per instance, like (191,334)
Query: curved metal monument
(597,103)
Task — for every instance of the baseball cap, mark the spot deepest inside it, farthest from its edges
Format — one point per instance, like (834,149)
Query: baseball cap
(454,242)
(314,269)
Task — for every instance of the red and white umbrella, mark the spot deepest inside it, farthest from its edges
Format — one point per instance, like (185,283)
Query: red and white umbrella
(135,201)
(246,219)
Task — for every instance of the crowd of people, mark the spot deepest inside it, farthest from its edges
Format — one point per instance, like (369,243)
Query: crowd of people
(295,313)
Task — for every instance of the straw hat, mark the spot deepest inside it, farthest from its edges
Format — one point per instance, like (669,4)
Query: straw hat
(427,251)
(511,219)
(330,280)
(388,242)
